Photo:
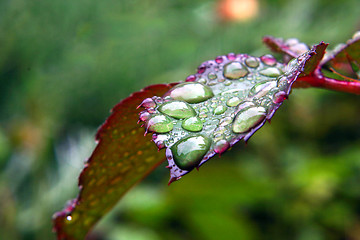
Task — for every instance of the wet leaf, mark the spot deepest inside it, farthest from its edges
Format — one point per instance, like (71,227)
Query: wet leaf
(122,157)
(227,100)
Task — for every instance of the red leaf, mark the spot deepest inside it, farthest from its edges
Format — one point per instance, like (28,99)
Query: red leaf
(122,158)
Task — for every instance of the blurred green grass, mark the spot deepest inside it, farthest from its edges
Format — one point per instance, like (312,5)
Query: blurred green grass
(64,64)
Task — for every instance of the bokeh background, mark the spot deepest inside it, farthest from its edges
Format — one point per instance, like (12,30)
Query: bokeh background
(64,64)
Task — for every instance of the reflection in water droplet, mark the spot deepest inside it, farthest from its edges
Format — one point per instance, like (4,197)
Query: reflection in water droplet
(191,92)
(247,119)
(159,123)
(220,110)
(252,62)
(189,151)
(268,60)
(177,109)
(235,70)
(271,72)
(193,124)
(234,101)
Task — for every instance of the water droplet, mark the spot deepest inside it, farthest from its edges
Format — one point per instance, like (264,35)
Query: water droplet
(252,62)
(201,69)
(177,109)
(191,92)
(243,105)
(279,97)
(261,89)
(219,59)
(356,35)
(212,76)
(144,115)
(266,102)
(225,121)
(227,83)
(204,109)
(202,80)
(248,118)
(221,146)
(193,124)
(234,101)
(235,70)
(292,65)
(148,103)
(271,72)
(202,115)
(220,110)
(191,78)
(268,60)
(231,56)
(282,83)
(189,151)
(159,123)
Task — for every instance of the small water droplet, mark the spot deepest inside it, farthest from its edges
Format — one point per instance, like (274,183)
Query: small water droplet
(219,59)
(282,83)
(227,83)
(243,105)
(202,80)
(235,70)
(266,102)
(292,65)
(189,151)
(225,121)
(202,115)
(252,62)
(144,115)
(261,89)
(177,109)
(231,56)
(201,69)
(271,72)
(212,76)
(268,60)
(193,124)
(234,101)
(191,78)
(248,118)
(148,103)
(279,97)
(159,123)
(220,110)
(191,92)
(356,35)
(221,146)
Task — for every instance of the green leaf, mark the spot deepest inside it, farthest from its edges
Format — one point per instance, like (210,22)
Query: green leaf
(122,157)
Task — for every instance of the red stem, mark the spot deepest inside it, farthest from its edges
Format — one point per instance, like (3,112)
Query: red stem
(317,80)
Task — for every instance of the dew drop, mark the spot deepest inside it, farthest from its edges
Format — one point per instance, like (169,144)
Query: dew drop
(231,56)
(191,78)
(252,62)
(271,72)
(177,109)
(248,118)
(227,83)
(219,59)
(282,83)
(193,124)
(225,121)
(356,35)
(261,89)
(201,69)
(268,60)
(221,146)
(189,151)
(279,97)
(144,116)
(220,110)
(159,123)
(191,92)
(202,80)
(234,101)
(245,104)
(148,103)
(235,70)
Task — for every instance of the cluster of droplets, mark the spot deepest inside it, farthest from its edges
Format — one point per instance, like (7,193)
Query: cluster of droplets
(228,99)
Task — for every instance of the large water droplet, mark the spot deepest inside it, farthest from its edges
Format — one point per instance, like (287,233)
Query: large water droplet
(247,119)
(271,72)
(261,89)
(159,123)
(193,124)
(177,109)
(189,151)
(235,70)
(191,92)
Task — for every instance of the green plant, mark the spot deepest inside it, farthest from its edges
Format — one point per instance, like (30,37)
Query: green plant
(227,100)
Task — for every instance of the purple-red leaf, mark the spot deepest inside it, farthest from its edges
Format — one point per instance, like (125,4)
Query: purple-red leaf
(122,157)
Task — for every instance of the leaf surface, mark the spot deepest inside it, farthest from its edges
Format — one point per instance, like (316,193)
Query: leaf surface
(122,157)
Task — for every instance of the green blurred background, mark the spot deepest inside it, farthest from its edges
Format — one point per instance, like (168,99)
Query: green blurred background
(64,64)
